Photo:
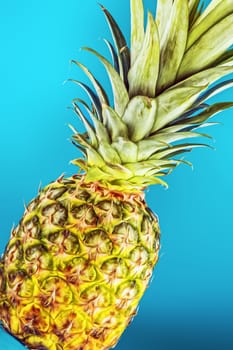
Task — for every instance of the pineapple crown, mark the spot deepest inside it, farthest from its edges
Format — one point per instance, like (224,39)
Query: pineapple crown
(160,90)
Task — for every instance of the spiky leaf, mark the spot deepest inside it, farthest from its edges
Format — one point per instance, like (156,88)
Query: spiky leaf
(208,48)
(163,14)
(92,95)
(214,90)
(139,117)
(120,42)
(175,150)
(178,99)
(209,112)
(127,150)
(114,124)
(194,11)
(220,11)
(174,102)
(143,73)
(103,98)
(137,28)
(174,43)
(89,127)
(113,55)
(120,93)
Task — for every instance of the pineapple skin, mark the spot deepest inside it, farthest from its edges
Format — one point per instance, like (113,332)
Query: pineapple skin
(77,265)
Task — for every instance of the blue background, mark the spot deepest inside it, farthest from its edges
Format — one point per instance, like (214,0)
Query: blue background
(189,304)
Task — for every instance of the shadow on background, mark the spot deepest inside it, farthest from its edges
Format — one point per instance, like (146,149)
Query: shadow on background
(177,335)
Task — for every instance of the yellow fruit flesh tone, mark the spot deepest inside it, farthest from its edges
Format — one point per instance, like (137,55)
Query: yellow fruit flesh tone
(77,266)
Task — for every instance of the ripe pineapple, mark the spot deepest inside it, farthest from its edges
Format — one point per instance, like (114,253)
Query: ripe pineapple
(81,258)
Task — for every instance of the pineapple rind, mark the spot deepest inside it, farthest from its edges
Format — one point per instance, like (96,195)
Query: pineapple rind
(77,265)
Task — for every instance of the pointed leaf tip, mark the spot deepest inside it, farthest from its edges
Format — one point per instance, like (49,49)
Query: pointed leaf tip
(120,92)
(121,45)
(144,72)
(137,28)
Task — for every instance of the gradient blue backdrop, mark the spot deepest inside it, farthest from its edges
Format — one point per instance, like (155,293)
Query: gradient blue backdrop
(189,304)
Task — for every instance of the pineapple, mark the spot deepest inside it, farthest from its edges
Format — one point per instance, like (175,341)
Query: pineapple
(81,258)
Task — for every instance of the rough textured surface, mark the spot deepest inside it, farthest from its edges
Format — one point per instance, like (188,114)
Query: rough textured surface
(76,266)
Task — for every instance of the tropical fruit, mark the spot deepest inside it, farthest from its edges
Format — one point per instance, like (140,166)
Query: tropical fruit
(82,255)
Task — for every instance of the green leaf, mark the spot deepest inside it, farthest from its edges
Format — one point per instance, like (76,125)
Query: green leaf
(193,4)
(208,76)
(172,103)
(137,28)
(120,43)
(107,172)
(163,15)
(164,164)
(159,142)
(148,147)
(190,112)
(214,90)
(208,48)
(94,173)
(98,88)
(177,100)
(78,137)
(174,137)
(101,131)
(225,59)
(175,153)
(212,5)
(117,171)
(147,181)
(127,150)
(220,11)
(88,126)
(114,123)
(139,117)
(108,153)
(79,100)
(93,156)
(143,73)
(228,62)
(209,112)
(113,55)
(175,150)
(144,167)
(173,46)
(120,93)
(194,11)
(172,129)
(93,97)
